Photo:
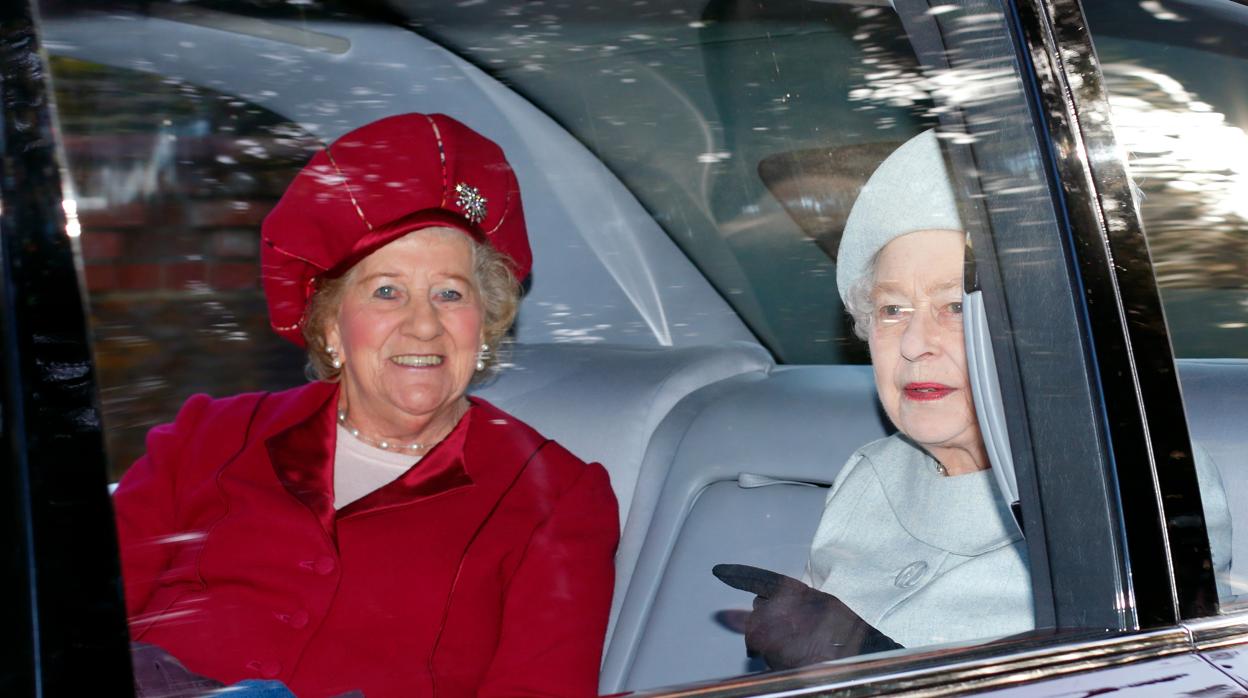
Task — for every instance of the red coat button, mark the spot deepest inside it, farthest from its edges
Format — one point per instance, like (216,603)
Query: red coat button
(298,620)
(324,565)
(268,670)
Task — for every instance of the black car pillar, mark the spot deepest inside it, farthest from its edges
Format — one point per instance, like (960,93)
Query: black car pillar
(63,619)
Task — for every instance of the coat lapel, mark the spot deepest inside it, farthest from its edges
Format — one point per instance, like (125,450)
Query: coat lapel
(302,454)
(440,470)
(964,514)
(486,451)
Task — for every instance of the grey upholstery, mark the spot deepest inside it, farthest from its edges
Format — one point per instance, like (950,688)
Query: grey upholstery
(1217,415)
(672,428)
(602,402)
(718,456)
(795,424)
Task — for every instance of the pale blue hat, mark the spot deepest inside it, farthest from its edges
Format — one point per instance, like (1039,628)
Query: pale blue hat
(909,191)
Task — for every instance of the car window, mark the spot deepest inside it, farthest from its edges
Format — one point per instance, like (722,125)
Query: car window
(688,171)
(744,128)
(1175,80)
(170,181)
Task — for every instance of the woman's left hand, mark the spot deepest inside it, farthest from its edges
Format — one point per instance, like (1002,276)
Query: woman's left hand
(158,674)
(793,625)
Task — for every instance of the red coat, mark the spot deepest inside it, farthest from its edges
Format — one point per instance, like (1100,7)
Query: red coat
(484,570)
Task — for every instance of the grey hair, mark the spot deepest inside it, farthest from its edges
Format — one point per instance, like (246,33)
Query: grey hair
(858,299)
(495,283)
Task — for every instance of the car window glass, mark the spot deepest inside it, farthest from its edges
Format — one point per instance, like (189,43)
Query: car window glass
(728,401)
(745,129)
(170,181)
(1175,73)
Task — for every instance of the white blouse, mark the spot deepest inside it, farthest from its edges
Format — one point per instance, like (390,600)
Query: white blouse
(360,468)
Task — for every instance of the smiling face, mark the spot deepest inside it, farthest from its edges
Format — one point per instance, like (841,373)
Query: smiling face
(917,347)
(408,330)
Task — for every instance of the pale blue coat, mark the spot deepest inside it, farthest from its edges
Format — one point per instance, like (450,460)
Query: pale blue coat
(931,559)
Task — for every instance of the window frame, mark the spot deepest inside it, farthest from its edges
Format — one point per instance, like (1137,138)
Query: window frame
(1198,607)
(1021,263)
(64,618)
(1167,543)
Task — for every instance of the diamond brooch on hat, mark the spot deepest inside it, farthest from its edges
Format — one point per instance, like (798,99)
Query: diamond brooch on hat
(471,202)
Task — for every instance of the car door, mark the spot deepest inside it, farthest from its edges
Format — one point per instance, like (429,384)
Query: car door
(1174,91)
(680,164)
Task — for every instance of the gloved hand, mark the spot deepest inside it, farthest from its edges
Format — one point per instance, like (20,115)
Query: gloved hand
(158,674)
(793,625)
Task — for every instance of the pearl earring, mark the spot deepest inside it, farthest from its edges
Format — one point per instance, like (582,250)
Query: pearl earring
(333,357)
(482,356)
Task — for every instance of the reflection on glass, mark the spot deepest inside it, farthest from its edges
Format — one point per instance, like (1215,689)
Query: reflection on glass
(1175,78)
(1187,144)
(745,128)
(171,182)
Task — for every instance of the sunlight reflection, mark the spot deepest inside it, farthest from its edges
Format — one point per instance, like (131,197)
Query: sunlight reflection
(1192,168)
(1172,135)
(72,227)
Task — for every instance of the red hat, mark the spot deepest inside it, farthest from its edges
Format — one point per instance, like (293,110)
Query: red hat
(376,184)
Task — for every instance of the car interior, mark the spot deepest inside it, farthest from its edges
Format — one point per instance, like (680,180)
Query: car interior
(721,427)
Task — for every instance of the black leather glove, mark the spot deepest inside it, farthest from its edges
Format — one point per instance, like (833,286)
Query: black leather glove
(793,625)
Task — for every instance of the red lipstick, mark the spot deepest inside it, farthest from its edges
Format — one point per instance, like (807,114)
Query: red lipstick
(923,392)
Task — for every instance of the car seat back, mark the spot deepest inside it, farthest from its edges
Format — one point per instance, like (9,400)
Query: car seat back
(1217,416)
(751,459)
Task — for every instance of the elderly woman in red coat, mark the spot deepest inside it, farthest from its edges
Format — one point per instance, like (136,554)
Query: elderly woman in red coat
(377,530)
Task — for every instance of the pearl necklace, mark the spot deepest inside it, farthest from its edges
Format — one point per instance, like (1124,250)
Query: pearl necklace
(383,444)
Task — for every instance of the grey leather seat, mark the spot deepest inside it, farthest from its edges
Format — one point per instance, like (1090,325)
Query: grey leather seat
(603,402)
(1217,416)
(751,459)
(719,456)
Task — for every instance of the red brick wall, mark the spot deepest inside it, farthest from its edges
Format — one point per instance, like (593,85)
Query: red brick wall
(172,182)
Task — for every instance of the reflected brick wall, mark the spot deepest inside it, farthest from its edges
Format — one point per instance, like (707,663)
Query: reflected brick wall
(171,183)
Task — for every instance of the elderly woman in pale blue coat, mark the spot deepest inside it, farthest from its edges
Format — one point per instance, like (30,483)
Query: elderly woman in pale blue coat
(916,545)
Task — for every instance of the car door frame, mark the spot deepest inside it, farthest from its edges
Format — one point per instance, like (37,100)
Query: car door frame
(63,618)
